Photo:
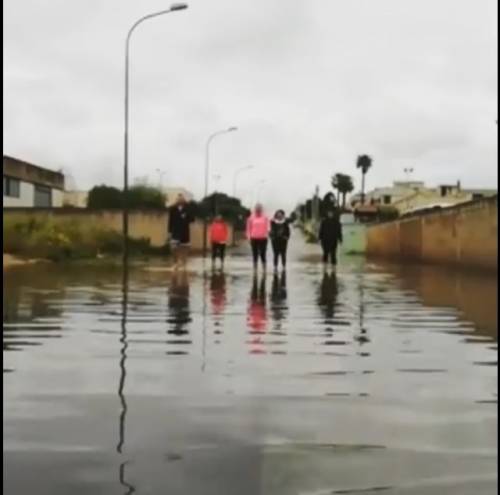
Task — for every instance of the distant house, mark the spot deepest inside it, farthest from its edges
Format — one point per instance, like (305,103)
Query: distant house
(172,194)
(26,185)
(409,196)
(76,199)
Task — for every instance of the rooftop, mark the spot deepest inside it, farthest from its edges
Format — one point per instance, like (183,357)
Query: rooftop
(29,172)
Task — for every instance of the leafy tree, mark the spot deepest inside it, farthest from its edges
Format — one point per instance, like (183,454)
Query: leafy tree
(364,163)
(143,196)
(105,197)
(230,208)
(139,196)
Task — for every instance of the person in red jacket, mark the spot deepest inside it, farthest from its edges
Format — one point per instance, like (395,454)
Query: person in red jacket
(219,234)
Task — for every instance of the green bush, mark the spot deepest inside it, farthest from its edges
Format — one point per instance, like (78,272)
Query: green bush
(138,197)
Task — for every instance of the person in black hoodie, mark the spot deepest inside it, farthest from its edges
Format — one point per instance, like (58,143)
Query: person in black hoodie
(179,220)
(330,235)
(280,234)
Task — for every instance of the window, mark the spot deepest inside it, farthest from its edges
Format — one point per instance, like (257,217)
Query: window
(11,187)
(387,199)
(43,197)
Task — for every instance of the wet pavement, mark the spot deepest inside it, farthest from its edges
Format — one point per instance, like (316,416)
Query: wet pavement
(377,379)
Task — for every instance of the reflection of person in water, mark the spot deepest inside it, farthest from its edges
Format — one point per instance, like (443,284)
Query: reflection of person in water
(218,292)
(179,315)
(278,298)
(327,298)
(257,314)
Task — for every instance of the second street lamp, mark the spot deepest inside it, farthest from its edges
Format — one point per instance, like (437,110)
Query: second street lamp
(236,175)
(173,8)
(207,168)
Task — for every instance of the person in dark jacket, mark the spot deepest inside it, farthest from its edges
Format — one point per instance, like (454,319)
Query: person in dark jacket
(330,235)
(280,234)
(179,221)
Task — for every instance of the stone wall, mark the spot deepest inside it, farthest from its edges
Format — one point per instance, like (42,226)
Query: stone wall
(150,224)
(464,235)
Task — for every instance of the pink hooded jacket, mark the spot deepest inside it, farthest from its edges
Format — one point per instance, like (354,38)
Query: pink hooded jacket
(258,227)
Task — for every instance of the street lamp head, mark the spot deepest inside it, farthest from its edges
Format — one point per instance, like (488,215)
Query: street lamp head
(178,6)
(232,129)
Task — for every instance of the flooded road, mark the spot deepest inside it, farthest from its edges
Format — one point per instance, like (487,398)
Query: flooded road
(379,379)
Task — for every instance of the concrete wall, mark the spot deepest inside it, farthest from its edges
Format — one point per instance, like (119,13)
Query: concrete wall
(464,235)
(354,239)
(150,224)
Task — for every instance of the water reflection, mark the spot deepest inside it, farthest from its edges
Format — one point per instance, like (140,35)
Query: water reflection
(327,296)
(121,383)
(218,294)
(361,337)
(179,313)
(424,367)
(279,306)
(257,314)
(474,294)
(123,360)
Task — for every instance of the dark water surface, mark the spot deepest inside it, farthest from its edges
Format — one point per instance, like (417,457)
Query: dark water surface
(381,379)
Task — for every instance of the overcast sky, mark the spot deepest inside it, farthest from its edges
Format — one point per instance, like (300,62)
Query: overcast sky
(310,84)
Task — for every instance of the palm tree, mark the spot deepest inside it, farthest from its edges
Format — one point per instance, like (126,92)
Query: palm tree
(344,185)
(336,180)
(364,162)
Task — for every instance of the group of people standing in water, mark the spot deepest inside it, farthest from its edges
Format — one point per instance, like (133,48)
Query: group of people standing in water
(260,229)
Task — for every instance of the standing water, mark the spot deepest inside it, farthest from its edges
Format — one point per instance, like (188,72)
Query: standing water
(377,379)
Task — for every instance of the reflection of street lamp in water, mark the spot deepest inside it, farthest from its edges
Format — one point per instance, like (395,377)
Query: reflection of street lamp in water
(123,376)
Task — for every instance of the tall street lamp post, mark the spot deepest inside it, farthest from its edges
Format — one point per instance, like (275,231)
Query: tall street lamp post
(173,8)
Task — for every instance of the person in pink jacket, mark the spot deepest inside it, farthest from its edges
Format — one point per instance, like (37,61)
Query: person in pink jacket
(258,225)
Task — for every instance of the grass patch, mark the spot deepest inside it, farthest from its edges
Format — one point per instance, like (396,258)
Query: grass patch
(61,239)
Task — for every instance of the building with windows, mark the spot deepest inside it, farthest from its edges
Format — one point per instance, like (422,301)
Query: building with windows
(412,195)
(29,186)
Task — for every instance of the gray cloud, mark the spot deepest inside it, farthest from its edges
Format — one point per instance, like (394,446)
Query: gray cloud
(309,83)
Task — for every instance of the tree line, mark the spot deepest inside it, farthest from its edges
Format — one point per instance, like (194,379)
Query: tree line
(144,197)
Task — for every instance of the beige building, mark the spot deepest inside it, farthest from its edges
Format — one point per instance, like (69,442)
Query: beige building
(172,194)
(76,199)
(26,185)
(412,195)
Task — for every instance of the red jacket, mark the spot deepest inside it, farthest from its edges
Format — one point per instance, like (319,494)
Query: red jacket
(219,233)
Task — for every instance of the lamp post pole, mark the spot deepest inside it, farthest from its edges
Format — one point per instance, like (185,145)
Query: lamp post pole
(173,8)
(207,169)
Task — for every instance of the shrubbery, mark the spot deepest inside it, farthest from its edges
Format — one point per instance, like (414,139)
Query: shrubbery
(62,239)
(138,197)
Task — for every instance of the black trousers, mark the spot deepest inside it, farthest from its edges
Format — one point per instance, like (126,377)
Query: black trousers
(218,251)
(329,252)
(279,250)
(259,250)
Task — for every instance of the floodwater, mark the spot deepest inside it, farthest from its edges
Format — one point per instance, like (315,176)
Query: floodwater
(379,379)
